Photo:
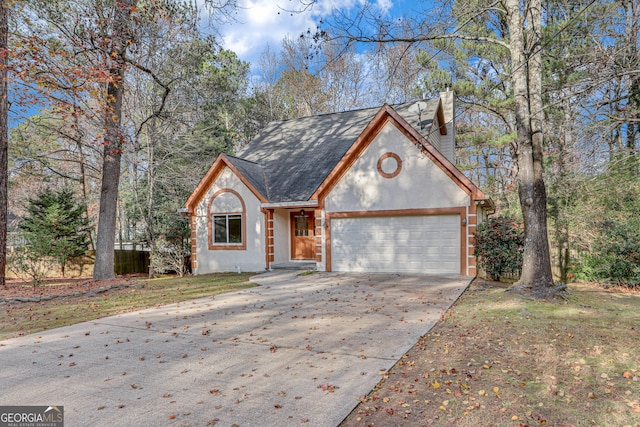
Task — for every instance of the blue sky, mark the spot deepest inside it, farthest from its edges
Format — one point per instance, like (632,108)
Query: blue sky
(266,22)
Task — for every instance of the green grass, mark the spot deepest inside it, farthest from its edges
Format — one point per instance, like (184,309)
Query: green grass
(307,273)
(26,318)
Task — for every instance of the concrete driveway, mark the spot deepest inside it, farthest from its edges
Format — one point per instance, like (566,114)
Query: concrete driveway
(297,350)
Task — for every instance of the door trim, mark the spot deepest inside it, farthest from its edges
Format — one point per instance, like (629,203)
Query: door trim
(310,227)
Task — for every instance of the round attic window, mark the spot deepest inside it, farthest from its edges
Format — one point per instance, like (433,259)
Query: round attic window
(389,165)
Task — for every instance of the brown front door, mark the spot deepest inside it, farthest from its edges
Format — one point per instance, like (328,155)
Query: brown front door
(303,242)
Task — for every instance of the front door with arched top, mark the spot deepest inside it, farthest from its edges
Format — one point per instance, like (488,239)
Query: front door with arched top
(303,242)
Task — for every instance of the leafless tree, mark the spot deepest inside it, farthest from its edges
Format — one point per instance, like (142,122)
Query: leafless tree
(4,138)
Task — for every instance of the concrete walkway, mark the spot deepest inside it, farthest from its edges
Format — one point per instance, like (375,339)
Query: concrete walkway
(297,350)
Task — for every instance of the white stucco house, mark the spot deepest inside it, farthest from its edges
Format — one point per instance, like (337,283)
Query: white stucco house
(371,190)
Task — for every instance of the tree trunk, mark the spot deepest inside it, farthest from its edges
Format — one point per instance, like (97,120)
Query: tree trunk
(148,215)
(4,138)
(536,274)
(633,128)
(561,219)
(105,241)
(83,177)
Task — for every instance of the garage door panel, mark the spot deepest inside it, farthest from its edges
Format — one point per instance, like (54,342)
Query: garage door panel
(407,244)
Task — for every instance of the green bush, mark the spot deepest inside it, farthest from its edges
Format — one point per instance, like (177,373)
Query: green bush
(615,257)
(55,226)
(609,229)
(499,246)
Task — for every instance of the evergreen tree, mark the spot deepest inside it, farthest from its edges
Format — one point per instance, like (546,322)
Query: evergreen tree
(56,226)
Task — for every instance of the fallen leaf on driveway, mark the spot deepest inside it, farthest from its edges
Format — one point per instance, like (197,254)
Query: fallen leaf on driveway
(327,387)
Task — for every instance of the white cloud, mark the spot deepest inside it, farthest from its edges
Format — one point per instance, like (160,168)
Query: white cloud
(384,5)
(266,22)
(261,23)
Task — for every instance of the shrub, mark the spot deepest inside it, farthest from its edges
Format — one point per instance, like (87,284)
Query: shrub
(29,264)
(615,257)
(56,226)
(167,257)
(609,230)
(499,246)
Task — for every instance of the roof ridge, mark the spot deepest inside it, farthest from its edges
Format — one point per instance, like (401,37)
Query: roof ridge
(377,107)
(244,160)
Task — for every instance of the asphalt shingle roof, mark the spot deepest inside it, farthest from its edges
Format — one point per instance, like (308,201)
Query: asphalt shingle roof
(253,172)
(289,159)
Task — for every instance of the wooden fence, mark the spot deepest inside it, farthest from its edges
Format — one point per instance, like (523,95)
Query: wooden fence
(126,262)
(131,261)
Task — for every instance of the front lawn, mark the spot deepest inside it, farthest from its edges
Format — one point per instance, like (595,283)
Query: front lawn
(25,318)
(496,359)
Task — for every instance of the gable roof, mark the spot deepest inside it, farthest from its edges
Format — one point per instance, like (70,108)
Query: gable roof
(253,172)
(297,155)
(291,160)
(388,114)
(247,172)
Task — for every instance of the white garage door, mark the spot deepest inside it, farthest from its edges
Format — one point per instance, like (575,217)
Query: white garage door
(406,244)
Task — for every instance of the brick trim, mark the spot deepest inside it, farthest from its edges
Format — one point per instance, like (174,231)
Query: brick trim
(193,244)
(269,237)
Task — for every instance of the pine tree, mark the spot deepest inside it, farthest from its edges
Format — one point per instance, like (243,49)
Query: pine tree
(56,226)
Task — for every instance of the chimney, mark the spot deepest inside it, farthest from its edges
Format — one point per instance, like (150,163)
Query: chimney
(448,143)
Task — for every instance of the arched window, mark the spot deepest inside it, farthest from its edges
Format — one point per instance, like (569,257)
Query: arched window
(227,221)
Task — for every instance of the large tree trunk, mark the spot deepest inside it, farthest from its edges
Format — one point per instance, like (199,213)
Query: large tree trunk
(105,241)
(633,127)
(536,274)
(4,138)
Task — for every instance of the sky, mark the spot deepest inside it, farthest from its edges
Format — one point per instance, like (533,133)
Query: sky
(262,23)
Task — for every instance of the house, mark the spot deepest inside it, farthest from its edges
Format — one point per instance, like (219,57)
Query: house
(371,190)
